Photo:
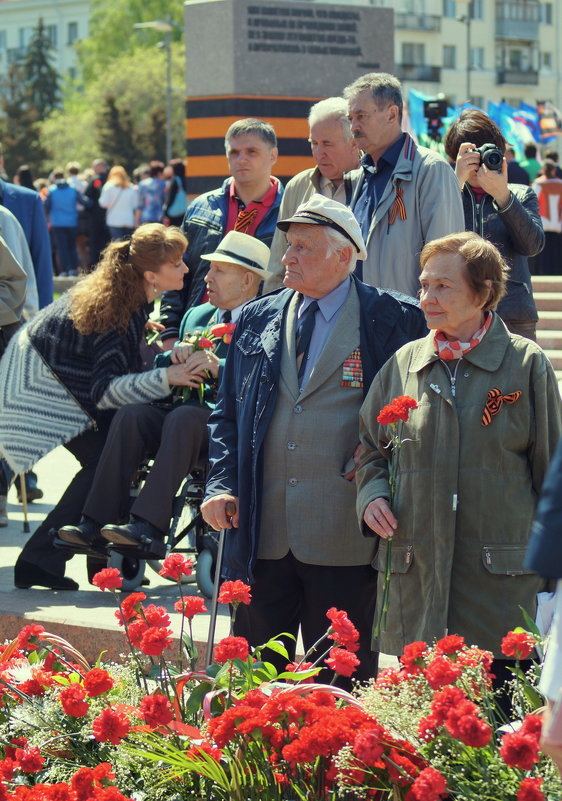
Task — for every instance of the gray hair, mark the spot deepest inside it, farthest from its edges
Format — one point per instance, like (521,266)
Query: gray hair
(336,242)
(251,125)
(333,108)
(385,89)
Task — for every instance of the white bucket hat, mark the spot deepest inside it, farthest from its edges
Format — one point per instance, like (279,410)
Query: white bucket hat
(244,250)
(320,210)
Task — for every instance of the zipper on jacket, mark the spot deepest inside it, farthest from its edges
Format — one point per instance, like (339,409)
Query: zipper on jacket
(452,376)
(487,556)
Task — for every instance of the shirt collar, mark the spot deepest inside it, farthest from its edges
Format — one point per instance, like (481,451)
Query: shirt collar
(390,156)
(267,200)
(330,303)
(235,313)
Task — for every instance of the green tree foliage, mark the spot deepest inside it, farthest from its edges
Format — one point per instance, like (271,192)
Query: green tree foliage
(41,78)
(112,32)
(137,84)
(19,125)
(115,134)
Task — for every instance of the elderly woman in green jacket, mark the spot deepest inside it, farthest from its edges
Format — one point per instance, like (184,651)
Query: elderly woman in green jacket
(472,464)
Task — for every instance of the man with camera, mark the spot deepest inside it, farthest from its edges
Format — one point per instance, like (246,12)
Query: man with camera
(505,214)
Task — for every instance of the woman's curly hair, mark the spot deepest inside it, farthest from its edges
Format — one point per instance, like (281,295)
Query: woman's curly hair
(107,297)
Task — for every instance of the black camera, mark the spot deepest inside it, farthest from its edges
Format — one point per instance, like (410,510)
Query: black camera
(491,156)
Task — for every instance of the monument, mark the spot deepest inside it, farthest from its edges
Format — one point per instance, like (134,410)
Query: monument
(272,59)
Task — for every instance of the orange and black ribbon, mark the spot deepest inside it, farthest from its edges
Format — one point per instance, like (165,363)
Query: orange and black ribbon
(495,400)
(398,207)
(245,219)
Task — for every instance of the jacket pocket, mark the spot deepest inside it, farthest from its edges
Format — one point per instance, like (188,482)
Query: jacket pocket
(249,343)
(402,557)
(505,560)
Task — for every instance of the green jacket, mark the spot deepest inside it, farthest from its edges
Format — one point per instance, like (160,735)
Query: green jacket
(199,318)
(466,493)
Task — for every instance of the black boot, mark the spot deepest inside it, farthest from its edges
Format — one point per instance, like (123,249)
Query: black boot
(27,575)
(86,534)
(135,532)
(32,491)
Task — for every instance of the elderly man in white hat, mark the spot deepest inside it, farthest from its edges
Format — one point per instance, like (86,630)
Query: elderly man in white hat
(284,434)
(174,433)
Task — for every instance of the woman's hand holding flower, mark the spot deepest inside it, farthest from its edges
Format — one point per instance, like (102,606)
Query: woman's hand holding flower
(379,517)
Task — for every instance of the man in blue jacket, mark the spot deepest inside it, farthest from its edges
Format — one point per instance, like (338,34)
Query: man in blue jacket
(284,434)
(26,206)
(248,202)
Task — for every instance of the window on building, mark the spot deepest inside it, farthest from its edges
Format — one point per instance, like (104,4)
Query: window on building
(449,8)
(477,58)
(546,62)
(449,57)
(413,54)
(72,33)
(547,13)
(24,36)
(515,59)
(52,34)
(476,9)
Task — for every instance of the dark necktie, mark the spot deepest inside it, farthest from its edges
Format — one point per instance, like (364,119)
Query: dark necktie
(227,316)
(304,335)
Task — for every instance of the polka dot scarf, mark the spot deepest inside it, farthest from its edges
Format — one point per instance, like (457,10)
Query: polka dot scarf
(454,348)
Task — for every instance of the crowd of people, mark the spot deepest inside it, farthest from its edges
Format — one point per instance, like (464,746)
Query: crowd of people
(383,271)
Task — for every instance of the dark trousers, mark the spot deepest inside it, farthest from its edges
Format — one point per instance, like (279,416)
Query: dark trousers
(98,235)
(65,245)
(39,549)
(524,328)
(288,594)
(176,437)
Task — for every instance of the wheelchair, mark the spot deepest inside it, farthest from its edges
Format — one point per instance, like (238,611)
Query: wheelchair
(188,534)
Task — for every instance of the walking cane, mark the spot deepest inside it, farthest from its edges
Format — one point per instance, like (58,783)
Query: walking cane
(23,493)
(230,510)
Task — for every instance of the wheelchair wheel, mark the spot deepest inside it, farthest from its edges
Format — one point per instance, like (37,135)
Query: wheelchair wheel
(131,568)
(205,572)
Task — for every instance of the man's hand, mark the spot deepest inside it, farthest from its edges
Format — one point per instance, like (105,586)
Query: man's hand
(181,352)
(221,511)
(203,362)
(378,516)
(350,475)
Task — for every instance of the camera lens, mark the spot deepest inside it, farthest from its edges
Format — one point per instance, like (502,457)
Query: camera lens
(494,159)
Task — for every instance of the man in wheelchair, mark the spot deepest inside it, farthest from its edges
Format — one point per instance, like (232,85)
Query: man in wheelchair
(172,432)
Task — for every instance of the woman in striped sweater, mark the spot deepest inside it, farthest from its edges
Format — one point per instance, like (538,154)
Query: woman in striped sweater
(77,361)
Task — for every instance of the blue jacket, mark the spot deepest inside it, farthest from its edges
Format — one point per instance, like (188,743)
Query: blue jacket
(61,205)
(25,204)
(248,393)
(544,555)
(204,226)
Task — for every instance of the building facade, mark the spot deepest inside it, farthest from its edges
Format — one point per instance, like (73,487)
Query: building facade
(66,22)
(478,50)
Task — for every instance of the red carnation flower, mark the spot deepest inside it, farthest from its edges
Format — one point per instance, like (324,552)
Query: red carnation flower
(130,607)
(235,592)
(136,629)
(231,648)
(413,656)
(532,725)
(190,606)
(398,409)
(368,745)
(449,644)
(342,630)
(157,615)
(472,730)
(429,785)
(97,682)
(28,636)
(297,667)
(342,662)
(72,700)
(204,343)
(175,566)
(517,644)
(108,579)
(441,672)
(30,761)
(519,750)
(156,710)
(110,726)
(428,727)
(445,701)
(530,789)
(31,687)
(155,640)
